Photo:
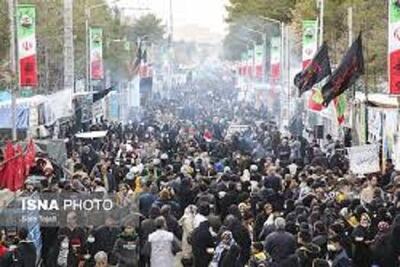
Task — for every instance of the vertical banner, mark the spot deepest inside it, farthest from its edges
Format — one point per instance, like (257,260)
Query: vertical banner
(310,40)
(250,63)
(259,61)
(394,47)
(26,34)
(275,58)
(96,53)
(243,64)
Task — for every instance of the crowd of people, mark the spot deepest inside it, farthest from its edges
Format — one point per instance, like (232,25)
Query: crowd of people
(259,197)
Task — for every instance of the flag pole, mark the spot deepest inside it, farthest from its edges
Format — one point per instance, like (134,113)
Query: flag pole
(321,21)
(353,89)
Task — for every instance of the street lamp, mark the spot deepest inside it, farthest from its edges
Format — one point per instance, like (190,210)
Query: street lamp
(88,10)
(264,36)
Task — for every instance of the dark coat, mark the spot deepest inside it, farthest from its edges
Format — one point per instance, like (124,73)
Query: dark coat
(126,250)
(230,258)
(146,200)
(342,260)
(201,240)
(105,238)
(23,256)
(307,253)
(361,251)
(280,245)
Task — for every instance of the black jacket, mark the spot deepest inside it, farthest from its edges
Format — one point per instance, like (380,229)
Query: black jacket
(105,238)
(23,256)
(280,245)
(307,254)
(126,250)
(201,240)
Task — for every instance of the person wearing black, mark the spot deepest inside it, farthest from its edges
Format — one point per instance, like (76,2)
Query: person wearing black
(242,237)
(308,251)
(387,175)
(362,238)
(24,255)
(283,152)
(105,237)
(126,249)
(337,253)
(203,245)
(280,244)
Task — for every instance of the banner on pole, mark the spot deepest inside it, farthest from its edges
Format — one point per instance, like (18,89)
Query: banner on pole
(275,58)
(364,159)
(310,40)
(259,56)
(26,36)
(394,47)
(243,64)
(96,53)
(250,62)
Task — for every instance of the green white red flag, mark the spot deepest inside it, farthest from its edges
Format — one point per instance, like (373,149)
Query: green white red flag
(394,47)
(310,40)
(250,57)
(275,58)
(96,53)
(26,36)
(259,56)
(340,107)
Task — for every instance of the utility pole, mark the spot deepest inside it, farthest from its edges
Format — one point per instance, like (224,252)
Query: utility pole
(12,5)
(87,17)
(288,71)
(354,137)
(321,21)
(171,20)
(68,45)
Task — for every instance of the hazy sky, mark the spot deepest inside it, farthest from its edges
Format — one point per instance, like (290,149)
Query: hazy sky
(203,13)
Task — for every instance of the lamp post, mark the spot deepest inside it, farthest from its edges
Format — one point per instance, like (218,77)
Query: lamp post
(281,26)
(88,10)
(264,36)
(12,6)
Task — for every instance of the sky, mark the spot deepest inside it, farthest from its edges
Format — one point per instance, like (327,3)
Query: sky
(188,14)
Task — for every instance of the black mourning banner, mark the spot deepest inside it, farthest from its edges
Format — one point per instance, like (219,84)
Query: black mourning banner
(349,70)
(318,68)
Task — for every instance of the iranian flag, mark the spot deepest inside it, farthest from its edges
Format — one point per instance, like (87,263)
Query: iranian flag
(275,58)
(310,41)
(340,107)
(250,63)
(96,53)
(259,60)
(394,47)
(26,35)
(243,64)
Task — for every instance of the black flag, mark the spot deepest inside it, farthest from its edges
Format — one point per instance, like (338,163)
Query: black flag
(349,70)
(318,68)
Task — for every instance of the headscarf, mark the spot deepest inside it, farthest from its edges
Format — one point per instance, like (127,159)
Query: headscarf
(190,212)
(226,243)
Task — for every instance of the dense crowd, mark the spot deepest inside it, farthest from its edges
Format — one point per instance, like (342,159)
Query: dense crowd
(260,197)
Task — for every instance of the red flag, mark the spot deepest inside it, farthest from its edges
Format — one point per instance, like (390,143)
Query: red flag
(29,156)
(8,171)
